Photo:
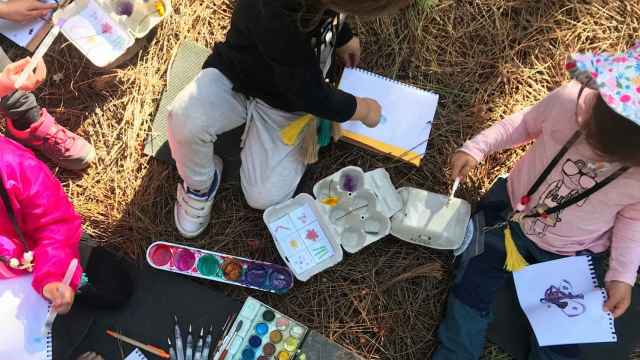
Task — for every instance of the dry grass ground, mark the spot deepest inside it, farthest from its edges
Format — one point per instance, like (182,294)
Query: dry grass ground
(486,58)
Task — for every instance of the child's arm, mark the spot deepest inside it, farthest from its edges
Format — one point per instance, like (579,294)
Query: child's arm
(517,129)
(48,221)
(625,246)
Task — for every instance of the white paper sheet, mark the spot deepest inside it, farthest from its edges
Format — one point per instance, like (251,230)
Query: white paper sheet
(22,34)
(563,303)
(23,313)
(136,355)
(407,111)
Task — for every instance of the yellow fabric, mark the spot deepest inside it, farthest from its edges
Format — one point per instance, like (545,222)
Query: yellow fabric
(291,133)
(409,156)
(514,262)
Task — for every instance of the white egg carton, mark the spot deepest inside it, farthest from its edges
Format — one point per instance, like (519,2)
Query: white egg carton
(356,209)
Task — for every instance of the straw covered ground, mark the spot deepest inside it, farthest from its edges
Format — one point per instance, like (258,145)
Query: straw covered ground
(487,58)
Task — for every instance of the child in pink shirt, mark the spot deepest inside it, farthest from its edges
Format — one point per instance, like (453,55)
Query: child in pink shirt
(574,192)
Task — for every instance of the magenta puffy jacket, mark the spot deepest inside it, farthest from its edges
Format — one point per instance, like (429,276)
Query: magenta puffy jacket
(50,225)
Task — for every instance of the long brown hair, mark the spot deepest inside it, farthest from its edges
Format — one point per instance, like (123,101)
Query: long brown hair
(613,136)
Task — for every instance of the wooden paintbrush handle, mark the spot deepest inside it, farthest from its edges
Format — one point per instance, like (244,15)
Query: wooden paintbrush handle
(224,354)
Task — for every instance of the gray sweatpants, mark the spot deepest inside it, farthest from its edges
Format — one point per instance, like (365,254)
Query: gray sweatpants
(208,107)
(21,107)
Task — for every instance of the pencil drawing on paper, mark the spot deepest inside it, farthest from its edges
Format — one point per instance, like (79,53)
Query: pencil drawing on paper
(563,297)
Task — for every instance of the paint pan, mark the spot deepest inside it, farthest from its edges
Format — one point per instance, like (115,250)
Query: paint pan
(262,337)
(220,267)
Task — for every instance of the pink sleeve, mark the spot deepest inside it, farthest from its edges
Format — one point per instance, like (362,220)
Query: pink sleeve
(517,129)
(50,224)
(625,246)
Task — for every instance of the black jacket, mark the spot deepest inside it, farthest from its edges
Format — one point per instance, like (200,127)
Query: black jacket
(268,56)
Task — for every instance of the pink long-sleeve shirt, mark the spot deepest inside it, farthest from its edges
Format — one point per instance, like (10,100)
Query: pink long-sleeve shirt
(50,225)
(610,218)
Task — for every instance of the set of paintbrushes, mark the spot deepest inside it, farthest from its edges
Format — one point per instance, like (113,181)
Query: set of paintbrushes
(200,349)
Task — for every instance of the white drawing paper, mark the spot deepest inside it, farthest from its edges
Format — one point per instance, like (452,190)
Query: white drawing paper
(23,313)
(20,33)
(301,238)
(563,303)
(407,111)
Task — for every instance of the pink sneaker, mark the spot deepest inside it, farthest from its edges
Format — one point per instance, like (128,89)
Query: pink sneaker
(65,148)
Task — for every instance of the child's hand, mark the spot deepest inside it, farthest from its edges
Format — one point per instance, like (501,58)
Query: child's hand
(24,10)
(461,164)
(11,73)
(60,295)
(350,53)
(619,294)
(368,112)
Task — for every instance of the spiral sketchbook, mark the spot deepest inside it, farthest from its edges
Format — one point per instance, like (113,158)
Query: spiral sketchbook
(23,313)
(407,114)
(563,302)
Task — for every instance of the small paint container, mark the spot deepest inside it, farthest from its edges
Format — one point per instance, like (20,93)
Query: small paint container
(232,269)
(248,354)
(284,355)
(184,259)
(255,341)
(275,336)
(280,280)
(291,344)
(268,350)
(208,265)
(256,275)
(160,255)
(296,332)
(268,316)
(351,180)
(282,324)
(264,357)
(262,329)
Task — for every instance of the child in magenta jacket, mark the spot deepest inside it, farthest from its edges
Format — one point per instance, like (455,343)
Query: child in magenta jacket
(40,234)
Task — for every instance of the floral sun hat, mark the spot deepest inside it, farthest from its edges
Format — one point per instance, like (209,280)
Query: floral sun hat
(616,76)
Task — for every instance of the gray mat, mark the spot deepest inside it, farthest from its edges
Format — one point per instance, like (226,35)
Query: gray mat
(185,66)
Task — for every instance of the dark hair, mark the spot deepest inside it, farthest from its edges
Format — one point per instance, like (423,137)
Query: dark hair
(312,10)
(612,135)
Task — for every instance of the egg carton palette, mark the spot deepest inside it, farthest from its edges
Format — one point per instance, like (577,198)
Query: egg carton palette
(219,267)
(264,334)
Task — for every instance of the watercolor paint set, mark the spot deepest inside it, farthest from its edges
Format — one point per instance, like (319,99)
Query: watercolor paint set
(103,30)
(219,267)
(261,333)
(353,209)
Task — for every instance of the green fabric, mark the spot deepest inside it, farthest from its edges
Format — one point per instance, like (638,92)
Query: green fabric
(324,132)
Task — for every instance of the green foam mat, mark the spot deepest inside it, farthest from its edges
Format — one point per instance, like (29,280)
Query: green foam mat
(185,66)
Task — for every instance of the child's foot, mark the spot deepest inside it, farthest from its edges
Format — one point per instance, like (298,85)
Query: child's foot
(192,211)
(63,147)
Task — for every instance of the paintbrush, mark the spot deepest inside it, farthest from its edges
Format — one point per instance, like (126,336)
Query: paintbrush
(235,333)
(172,352)
(189,352)
(454,188)
(68,276)
(38,55)
(225,331)
(207,345)
(198,349)
(148,348)
(178,334)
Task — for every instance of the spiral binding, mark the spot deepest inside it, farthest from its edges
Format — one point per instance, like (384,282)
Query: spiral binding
(48,351)
(369,73)
(594,280)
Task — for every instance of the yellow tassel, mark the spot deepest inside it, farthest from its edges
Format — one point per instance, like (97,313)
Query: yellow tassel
(310,145)
(514,262)
(291,133)
(337,131)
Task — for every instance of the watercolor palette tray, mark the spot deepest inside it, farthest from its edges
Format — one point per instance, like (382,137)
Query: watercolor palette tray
(261,333)
(219,267)
(103,30)
(355,209)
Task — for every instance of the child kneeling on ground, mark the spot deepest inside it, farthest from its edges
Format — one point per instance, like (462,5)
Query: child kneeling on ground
(269,72)
(575,192)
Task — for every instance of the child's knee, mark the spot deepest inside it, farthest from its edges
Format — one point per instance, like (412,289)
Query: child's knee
(181,126)
(261,199)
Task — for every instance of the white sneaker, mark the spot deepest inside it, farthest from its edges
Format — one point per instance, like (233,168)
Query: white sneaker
(192,211)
